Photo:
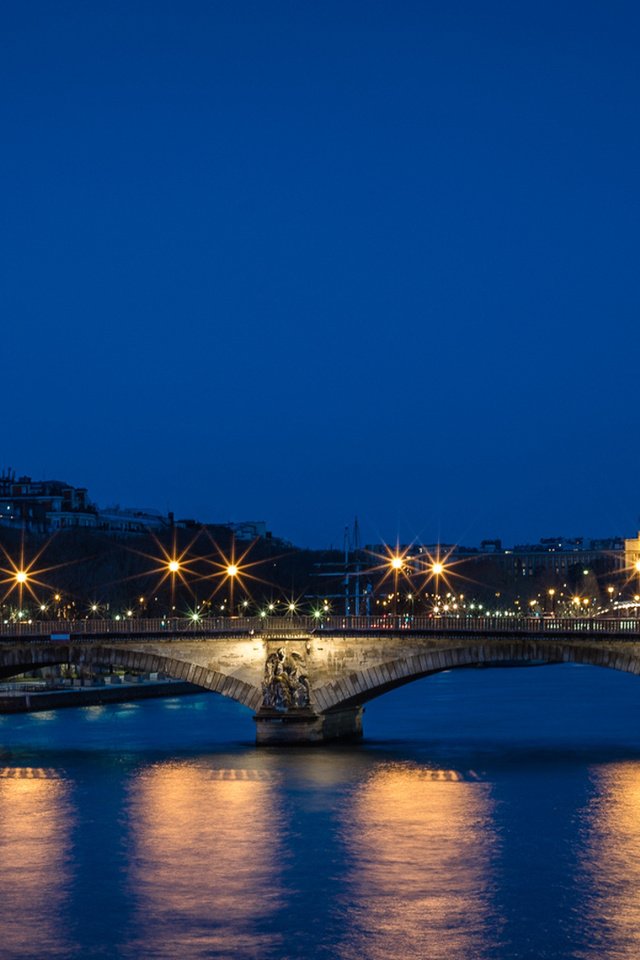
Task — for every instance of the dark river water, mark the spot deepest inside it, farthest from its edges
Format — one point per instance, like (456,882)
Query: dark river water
(488,815)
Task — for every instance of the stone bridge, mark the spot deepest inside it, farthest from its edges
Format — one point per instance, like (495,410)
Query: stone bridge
(308,681)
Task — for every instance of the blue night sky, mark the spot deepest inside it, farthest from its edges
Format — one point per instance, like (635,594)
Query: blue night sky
(301,261)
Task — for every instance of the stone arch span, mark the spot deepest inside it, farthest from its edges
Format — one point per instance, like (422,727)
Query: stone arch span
(16,660)
(358,687)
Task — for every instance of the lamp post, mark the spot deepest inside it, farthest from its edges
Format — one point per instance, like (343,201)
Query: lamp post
(396,566)
(610,592)
(437,569)
(232,573)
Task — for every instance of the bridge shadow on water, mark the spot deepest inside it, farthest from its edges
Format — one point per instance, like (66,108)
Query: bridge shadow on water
(514,715)
(560,714)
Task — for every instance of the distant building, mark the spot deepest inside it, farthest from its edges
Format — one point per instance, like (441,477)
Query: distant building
(248,529)
(132,520)
(550,557)
(43,505)
(632,552)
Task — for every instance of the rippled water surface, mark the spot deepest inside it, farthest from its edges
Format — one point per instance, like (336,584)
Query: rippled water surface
(489,815)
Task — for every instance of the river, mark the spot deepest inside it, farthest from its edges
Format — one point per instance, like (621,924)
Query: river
(490,814)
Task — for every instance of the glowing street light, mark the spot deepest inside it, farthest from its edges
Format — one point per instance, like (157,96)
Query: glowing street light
(396,562)
(20,573)
(173,566)
(437,570)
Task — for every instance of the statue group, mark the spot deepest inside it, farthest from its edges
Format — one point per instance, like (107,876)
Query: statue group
(285,684)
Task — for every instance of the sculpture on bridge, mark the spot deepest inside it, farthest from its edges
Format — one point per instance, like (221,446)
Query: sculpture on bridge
(285,685)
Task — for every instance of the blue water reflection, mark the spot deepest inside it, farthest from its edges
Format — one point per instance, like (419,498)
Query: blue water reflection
(491,815)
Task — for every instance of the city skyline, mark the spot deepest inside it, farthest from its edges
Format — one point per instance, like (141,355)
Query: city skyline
(44,505)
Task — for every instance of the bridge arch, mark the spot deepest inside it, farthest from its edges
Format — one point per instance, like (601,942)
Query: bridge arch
(358,687)
(16,660)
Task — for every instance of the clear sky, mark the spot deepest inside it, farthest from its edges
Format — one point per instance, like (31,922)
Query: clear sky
(300,261)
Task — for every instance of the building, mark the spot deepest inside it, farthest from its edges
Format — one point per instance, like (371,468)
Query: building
(43,505)
(132,520)
(632,552)
(558,555)
(249,530)
(551,558)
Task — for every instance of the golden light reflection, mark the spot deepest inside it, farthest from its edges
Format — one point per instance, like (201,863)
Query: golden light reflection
(422,844)
(207,864)
(610,865)
(36,822)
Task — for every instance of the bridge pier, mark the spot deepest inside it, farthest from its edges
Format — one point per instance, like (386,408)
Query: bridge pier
(299,727)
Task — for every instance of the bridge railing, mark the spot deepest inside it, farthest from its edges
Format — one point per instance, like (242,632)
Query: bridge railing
(466,624)
(288,626)
(128,627)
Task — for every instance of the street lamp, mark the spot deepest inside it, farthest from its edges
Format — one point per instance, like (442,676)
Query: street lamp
(232,573)
(396,562)
(437,569)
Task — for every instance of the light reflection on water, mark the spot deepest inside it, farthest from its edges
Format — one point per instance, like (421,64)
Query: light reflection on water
(611,865)
(421,852)
(206,863)
(161,832)
(36,827)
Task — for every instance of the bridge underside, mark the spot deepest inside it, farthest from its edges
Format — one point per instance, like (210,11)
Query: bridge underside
(357,687)
(23,659)
(344,673)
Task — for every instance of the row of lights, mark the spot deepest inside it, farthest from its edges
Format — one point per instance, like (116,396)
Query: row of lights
(396,563)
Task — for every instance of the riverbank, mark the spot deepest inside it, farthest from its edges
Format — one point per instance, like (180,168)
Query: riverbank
(27,702)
